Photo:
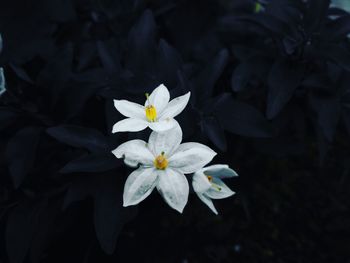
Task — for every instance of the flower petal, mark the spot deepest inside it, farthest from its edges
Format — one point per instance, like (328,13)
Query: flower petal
(173,186)
(139,185)
(175,106)
(162,125)
(130,109)
(134,152)
(200,182)
(159,98)
(220,171)
(190,157)
(208,202)
(166,142)
(224,192)
(129,124)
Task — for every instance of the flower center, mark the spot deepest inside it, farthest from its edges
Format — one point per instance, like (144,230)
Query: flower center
(151,113)
(215,186)
(160,162)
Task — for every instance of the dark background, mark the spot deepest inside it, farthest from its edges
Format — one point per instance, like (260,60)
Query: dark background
(270,91)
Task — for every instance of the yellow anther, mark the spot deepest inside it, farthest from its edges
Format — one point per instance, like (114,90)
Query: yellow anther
(151,113)
(215,186)
(160,162)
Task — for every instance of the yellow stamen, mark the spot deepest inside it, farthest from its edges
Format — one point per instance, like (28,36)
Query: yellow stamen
(151,113)
(215,186)
(161,163)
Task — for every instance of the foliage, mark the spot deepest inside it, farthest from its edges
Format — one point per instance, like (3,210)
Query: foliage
(270,91)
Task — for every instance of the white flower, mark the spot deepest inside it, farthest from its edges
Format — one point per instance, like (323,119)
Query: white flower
(163,163)
(208,185)
(157,113)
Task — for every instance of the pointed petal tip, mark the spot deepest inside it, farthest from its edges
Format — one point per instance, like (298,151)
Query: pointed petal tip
(116,154)
(115,129)
(116,104)
(127,202)
(179,209)
(129,125)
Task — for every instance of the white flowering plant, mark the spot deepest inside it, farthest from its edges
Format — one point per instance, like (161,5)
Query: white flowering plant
(163,162)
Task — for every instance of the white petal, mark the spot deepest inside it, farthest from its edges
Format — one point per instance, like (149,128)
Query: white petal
(130,109)
(139,185)
(224,192)
(175,106)
(173,186)
(208,202)
(129,124)
(200,182)
(166,141)
(220,171)
(190,157)
(162,125)
(134,152)
(159,98)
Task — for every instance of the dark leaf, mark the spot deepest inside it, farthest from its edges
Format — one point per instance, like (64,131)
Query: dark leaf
(56,72)
(168,62)
(77,95)
(142,43)
(110,59)
(81,137)
(283,80)
(92,163)
(142,35)
(45,226)
(79,189)
(338,54)
(285,10)
(21,153)
(215,133)
(211,73)
(6,118)
(241,118)
(59,10)
(245,71)
(346,117)
(86,54)
(21,73)
(316,14)
(328,112)
(110,215)
(268,22)
(20,230)
(245,52)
